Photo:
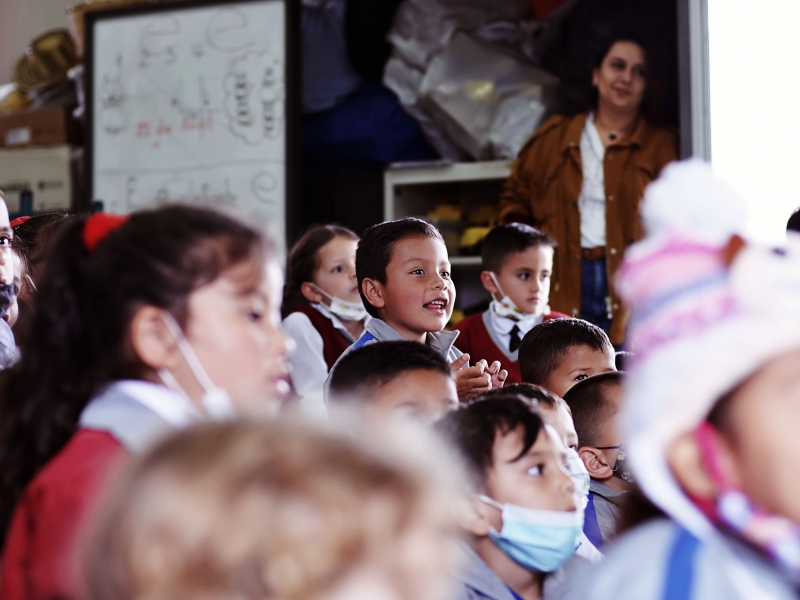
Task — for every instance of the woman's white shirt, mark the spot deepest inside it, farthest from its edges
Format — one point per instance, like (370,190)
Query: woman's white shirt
(592,201)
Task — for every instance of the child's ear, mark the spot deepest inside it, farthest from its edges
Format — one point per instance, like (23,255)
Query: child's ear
(373,291)
(310,292)
(151,339)
(488,283)
(686,463)
(471,515)
(595,462)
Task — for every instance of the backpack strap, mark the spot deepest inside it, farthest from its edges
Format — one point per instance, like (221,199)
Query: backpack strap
(681,566)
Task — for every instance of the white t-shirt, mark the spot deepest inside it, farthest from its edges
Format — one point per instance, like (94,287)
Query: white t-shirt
(592,201)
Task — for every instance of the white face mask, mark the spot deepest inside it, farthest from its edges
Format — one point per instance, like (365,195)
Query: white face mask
(349,311)
(580,477)
(216,401)
(507,307)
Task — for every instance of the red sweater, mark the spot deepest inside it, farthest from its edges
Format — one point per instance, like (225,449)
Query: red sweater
(41,558)
(333,342)
(476,341)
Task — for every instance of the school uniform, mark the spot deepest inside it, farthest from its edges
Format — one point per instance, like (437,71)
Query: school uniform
(476,581)
(603,513)
(488,336)
(320,338)
(442,342)
(661,560)
(41,558)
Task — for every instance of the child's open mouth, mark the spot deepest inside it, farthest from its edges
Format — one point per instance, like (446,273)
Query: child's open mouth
(437,306)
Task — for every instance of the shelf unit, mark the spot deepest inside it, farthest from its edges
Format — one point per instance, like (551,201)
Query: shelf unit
(414,189)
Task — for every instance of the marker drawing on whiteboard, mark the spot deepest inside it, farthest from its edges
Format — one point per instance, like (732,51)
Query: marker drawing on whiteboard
(113,114)
(263,187)
(185,192)
(254,98)
(225,30)
(158,41)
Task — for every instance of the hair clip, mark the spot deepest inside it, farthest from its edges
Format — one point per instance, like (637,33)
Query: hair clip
(18,221)
(98,226)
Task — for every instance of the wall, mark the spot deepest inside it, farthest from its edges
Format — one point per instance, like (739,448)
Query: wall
(20,22)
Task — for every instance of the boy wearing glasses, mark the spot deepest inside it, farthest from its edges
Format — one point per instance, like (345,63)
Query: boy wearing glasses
(595,403)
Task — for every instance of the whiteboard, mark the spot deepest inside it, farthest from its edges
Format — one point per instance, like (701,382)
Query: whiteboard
(187,104)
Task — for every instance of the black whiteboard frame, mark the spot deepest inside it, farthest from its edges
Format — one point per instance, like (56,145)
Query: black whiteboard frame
(292,63)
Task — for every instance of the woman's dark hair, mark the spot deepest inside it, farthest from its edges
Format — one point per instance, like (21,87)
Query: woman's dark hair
(580,95)
(78,339)
(304,262)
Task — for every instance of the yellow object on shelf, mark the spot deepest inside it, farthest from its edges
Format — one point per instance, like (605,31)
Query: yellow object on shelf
(473,236)
(446,211)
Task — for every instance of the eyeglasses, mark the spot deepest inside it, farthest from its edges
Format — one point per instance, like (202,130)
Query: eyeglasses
(620,452)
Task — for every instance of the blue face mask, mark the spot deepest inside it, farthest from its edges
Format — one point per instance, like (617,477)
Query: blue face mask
(539,540)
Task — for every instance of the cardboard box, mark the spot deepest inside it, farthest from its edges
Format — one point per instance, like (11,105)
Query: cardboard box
(47,172)
(38,127)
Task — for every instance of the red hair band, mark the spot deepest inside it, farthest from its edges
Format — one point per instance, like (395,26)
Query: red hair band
(18,221)
(98,226)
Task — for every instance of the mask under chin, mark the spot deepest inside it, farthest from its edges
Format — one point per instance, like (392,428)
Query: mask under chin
(7,295)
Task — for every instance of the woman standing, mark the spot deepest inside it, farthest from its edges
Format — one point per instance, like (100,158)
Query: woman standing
(581,177)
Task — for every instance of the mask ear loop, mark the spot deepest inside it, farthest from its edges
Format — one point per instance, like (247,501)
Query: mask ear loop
(188,353)
(497,283)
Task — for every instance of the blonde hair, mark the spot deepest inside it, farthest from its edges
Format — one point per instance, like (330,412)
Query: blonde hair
(269,511)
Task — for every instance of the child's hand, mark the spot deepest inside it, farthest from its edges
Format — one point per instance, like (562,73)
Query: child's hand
(471,381)
(498,376)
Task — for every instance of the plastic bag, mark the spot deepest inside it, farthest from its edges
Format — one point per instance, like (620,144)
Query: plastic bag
(484,100)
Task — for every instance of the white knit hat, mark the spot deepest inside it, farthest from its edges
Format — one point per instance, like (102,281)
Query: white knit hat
(704,318)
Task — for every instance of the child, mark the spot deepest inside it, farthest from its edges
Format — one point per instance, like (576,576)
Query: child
(403,380)
(558,354)
(32,237)
(323,307)
(8,290)
(711,410)
(555,412)
(517,265)
(404,279)
(595,404)
(13,311)
(142,325)
(276,511)
(522,518)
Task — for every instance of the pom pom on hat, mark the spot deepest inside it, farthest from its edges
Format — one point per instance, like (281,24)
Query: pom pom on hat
(99,226)
(688,198)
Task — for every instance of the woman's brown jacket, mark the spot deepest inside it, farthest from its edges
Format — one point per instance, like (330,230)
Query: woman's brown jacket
(544,187)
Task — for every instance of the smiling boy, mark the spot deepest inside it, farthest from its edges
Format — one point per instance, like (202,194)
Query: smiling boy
(403,273)
(517,268)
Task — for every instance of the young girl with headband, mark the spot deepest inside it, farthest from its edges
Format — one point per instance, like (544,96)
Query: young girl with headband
(143,325)
(323,307)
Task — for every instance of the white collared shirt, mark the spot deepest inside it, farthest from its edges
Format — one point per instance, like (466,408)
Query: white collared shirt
(592,201)
(307,365)
(174,408)
(502,327)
